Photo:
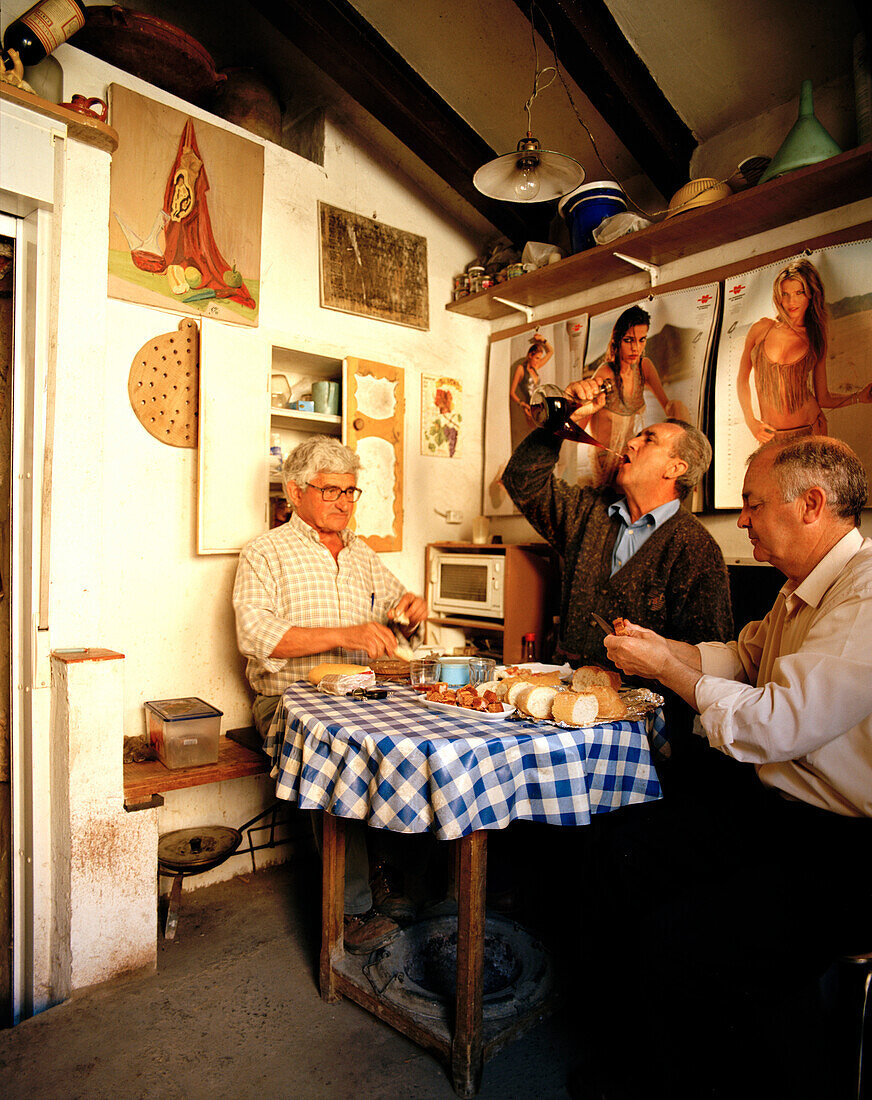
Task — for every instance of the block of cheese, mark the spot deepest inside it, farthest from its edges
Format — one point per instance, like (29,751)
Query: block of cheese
(330,668)
(590,675)
(611,706)
(535,700)
(574,708)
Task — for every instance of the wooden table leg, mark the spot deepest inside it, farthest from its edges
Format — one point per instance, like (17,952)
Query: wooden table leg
(332,901)
(467,1044)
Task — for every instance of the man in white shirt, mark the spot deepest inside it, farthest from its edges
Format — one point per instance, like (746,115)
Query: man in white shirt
(311,591)
(739,904)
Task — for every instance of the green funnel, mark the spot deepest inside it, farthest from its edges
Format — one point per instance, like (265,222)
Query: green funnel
(807,143)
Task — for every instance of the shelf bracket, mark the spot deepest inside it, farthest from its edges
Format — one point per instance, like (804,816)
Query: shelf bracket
(652,269)
(526,310)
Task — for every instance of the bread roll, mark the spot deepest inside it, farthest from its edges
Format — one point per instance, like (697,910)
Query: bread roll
(593,675)
(611,705)
(328,667)
(574,708)
(535,700)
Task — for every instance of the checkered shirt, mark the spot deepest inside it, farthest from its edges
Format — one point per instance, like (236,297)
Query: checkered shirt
(398,766)
(286,578)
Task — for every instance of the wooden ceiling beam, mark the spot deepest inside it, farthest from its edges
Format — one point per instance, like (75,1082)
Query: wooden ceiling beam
(591,48)
(335,37)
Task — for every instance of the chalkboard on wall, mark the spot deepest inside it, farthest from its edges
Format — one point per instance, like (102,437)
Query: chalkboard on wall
(373,269)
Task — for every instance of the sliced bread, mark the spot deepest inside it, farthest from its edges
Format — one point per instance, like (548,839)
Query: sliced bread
(594,675)
(535,700)
(610,705)
(574,708)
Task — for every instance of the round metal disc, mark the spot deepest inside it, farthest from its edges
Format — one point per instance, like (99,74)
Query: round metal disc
(200,849)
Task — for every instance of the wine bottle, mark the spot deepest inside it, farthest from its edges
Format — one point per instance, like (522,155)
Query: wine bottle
(41,29)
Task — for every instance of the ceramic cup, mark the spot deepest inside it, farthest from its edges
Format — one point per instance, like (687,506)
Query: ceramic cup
(454,671)
(481,669)
(326,397)
(423,672)
(480,530)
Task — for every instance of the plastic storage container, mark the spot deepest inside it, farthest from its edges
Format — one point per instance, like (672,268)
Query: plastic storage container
(184,732)
(584,208)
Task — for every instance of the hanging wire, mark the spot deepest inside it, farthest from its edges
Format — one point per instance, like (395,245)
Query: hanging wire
(553,45)
(537,75)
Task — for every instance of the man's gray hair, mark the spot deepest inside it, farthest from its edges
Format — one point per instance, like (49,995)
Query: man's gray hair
(820,460)
(320,454)
(694,449)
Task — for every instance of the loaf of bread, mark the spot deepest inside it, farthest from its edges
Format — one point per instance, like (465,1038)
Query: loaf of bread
(330,668)
(574,708)
(611,707)
(593,675)
(490,685)
(535,700)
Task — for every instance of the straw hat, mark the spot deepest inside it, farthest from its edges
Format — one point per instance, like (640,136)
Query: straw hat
(699,192)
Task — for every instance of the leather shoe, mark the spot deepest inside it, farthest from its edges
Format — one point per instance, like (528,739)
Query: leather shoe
(365,932)
(388,899)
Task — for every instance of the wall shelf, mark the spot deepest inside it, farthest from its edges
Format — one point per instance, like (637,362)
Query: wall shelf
(83,127)
(306,421)
(835,182)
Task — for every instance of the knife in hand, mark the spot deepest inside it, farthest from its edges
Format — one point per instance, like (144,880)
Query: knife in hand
(602,624)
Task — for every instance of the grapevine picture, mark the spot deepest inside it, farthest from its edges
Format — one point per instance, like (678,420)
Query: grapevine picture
(441,416)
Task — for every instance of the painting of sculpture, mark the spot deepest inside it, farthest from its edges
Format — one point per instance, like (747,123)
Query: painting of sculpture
(186,201)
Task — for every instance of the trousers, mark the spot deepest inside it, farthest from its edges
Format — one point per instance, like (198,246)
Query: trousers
(358,896)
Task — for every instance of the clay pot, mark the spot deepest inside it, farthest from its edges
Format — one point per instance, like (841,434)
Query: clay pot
(246,100)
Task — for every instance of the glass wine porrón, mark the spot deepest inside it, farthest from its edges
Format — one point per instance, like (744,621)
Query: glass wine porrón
(551,409)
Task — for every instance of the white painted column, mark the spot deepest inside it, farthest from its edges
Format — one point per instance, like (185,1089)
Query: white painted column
(104,859)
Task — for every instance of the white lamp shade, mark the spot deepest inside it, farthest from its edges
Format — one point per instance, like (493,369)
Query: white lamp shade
(555,173)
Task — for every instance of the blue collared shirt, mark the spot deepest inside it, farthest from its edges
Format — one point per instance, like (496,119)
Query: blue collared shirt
(632,536)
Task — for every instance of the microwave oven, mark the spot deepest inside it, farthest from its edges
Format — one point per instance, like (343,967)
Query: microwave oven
(470,585)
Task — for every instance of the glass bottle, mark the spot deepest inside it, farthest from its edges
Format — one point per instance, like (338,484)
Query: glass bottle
(41,29)
(528,647)
(552,409)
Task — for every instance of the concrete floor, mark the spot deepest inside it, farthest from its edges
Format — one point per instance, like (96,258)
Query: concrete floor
(233,1011)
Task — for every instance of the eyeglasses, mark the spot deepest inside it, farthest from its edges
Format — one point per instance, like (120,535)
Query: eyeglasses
(332,493)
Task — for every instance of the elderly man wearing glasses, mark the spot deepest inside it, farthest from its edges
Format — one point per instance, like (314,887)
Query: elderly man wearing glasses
(312,591)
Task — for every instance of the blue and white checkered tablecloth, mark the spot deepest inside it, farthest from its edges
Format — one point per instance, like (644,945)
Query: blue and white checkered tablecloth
(397,765)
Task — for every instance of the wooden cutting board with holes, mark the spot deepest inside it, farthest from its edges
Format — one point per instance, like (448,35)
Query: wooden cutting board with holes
(164,382)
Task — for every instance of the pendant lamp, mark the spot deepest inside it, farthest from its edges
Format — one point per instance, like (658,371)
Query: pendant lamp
(530,174)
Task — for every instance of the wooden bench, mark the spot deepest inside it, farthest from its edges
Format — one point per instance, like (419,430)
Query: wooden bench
(238,756)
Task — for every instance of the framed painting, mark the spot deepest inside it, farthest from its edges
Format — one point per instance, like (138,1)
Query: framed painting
(186,202)
(373,269)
